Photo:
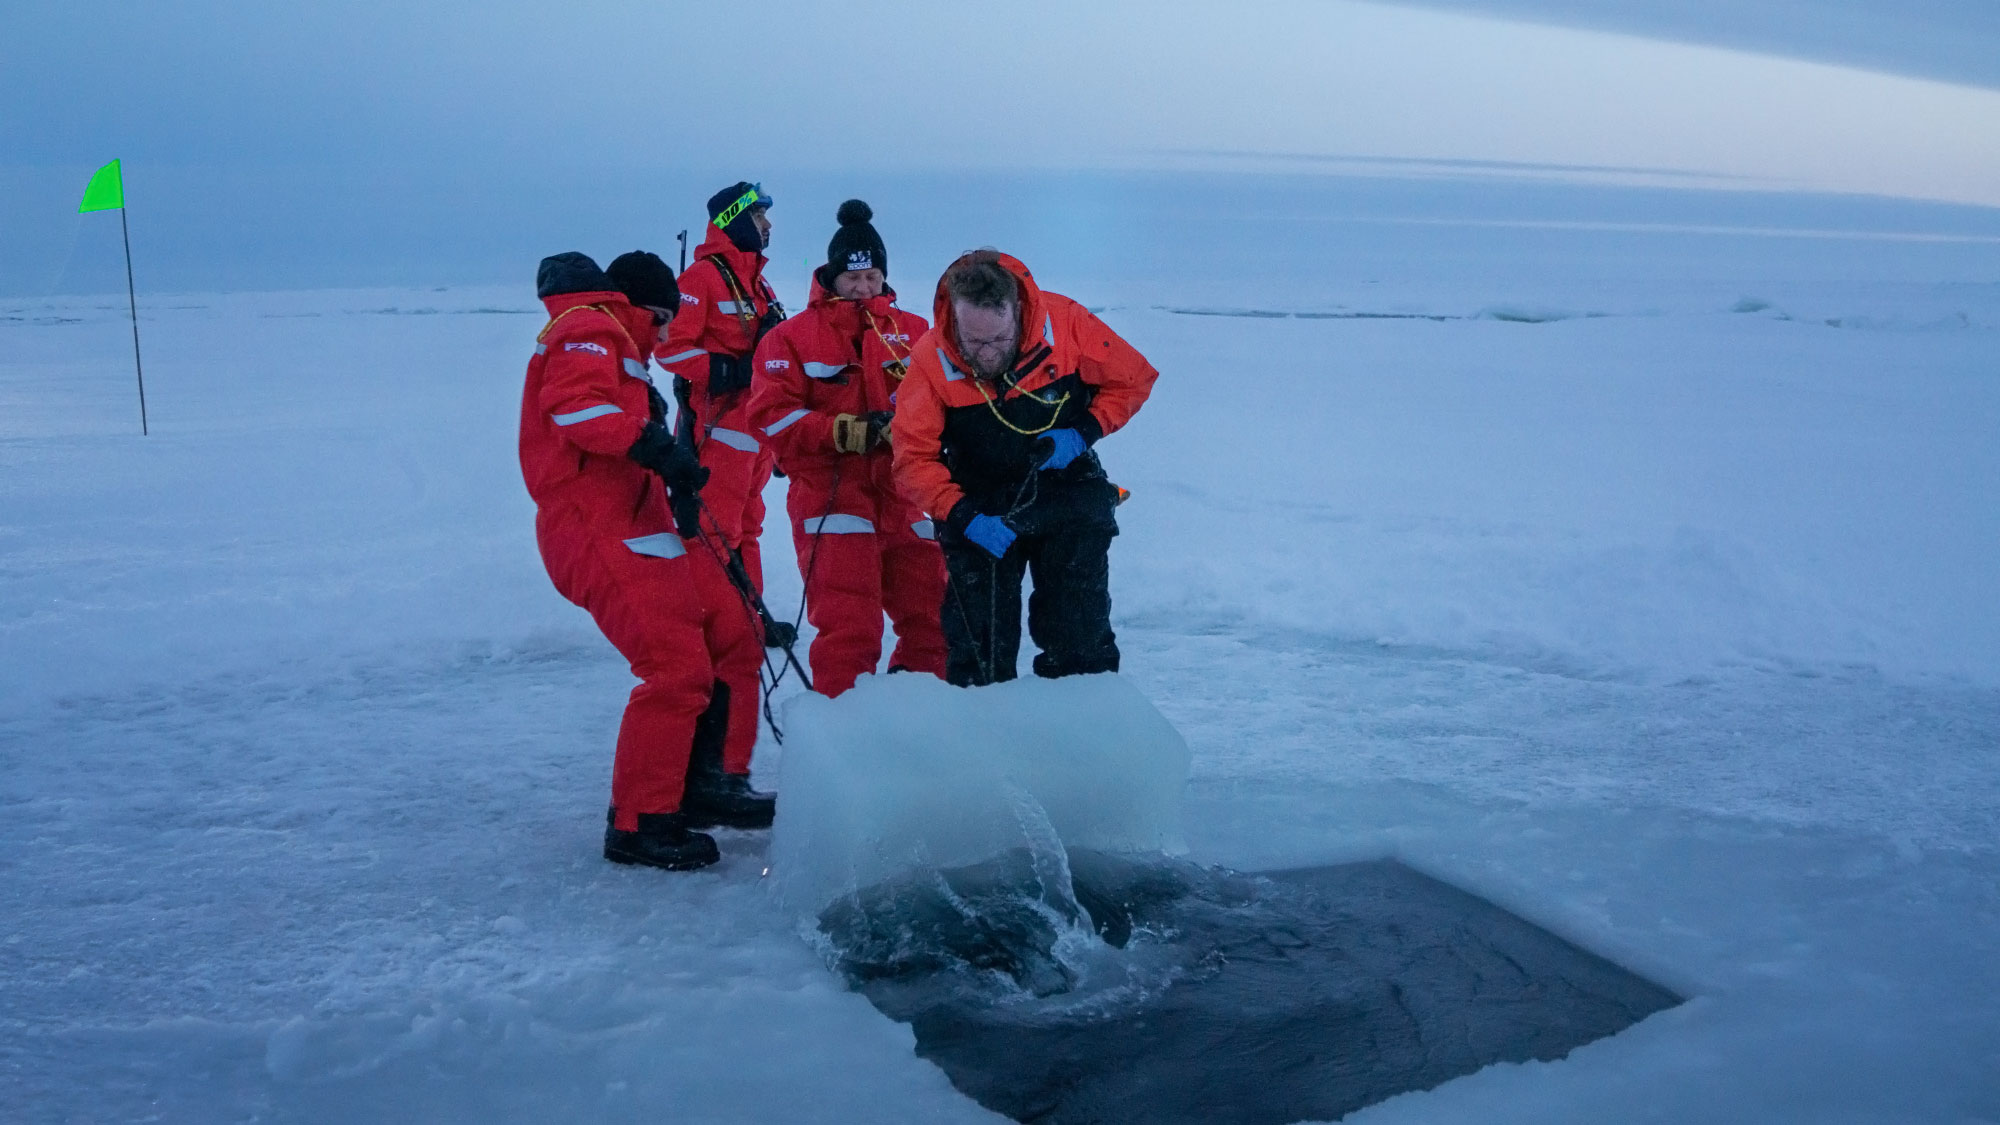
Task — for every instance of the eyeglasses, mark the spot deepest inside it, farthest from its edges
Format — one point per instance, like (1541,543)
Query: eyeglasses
(981,343)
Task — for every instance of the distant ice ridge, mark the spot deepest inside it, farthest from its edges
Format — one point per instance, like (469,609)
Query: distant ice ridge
(907,773)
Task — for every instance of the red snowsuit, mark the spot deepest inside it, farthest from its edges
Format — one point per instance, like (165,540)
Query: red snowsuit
(718,319)
(607,539)
(862,548)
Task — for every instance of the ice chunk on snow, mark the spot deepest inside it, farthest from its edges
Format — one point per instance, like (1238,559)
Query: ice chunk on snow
(1533,314)
(908,772)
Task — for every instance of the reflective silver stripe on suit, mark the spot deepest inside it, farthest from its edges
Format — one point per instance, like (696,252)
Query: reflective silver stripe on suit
(786,421)
(734,439)
(665,545)
(729,307)
(925,529)
(824,370)
(951,374)
(838,525)
(679,356)
(584,415)
(637,369)
(541,349)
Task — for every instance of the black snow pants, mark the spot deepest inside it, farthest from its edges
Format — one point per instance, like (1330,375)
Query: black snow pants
(1064,547)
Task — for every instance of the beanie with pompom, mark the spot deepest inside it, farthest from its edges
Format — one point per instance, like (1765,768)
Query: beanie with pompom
(855,245)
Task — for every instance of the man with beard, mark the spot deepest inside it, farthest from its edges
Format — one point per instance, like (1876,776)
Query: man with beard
(993,436)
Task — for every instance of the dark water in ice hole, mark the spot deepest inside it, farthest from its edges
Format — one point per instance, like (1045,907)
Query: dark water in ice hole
(1100,988)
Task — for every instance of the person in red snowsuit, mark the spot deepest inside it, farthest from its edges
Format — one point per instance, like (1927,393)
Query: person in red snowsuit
(824,391)
(599,463)
(725,308)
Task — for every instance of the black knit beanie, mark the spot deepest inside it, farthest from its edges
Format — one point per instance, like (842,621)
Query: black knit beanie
(571,272)
(645,280)
(855,245)
(741,231)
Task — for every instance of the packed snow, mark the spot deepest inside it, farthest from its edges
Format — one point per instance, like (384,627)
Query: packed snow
(1624,557)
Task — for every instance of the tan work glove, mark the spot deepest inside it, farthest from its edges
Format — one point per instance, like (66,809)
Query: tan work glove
(850,433)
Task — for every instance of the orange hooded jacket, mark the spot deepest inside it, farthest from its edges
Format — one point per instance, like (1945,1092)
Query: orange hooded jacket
(958,435)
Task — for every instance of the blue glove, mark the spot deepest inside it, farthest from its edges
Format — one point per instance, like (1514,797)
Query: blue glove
(1069,445)
(990,532)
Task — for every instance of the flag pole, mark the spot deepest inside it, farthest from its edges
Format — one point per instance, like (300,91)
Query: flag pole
(132,297)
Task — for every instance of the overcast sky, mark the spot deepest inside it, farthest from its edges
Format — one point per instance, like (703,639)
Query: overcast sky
(473,98)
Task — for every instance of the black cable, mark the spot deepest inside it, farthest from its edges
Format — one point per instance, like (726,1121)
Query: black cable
(812,560)
(1029,491)
(750,602)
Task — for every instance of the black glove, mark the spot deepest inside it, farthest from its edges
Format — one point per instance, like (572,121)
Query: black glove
(773,316)
(727,374)
(878,428)
(657,450)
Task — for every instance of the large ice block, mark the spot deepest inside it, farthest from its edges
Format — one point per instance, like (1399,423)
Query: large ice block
(907,772)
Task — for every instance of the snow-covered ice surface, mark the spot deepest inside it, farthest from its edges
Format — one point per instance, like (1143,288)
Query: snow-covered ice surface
(1630,569)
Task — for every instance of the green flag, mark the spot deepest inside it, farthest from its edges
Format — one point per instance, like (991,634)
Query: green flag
(106,191)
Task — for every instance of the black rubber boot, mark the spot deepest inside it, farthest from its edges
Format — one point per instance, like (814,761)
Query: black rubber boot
(725,800)
(714,799)
(663,840)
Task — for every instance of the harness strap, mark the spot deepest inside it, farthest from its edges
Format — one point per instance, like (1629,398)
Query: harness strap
(746,310)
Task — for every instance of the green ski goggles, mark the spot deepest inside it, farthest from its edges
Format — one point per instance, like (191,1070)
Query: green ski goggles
(755,197)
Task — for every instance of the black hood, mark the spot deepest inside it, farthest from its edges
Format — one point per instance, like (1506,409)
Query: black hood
(571,272)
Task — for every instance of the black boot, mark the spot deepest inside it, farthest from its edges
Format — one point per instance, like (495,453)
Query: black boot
(725,800)
(663,840)
(714,799)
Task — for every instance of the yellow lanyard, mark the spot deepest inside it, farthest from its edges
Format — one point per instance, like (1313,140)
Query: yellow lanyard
(543,334)
(1055,409)
(898,365)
